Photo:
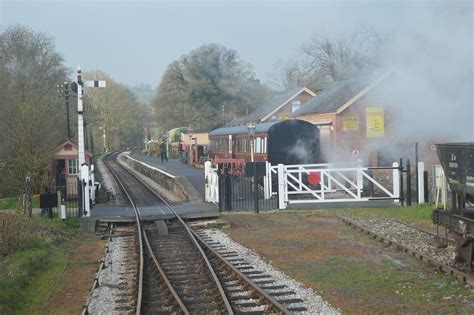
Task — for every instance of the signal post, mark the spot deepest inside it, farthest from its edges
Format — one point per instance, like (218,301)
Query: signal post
(85,170)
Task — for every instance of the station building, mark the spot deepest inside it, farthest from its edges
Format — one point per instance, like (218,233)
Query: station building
(278,107)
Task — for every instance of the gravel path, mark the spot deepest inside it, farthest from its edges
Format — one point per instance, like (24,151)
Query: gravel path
(410,237)
(312,301)
(116,290)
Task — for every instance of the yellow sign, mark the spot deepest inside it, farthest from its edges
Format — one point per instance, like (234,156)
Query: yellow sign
(350,123)
(375,122)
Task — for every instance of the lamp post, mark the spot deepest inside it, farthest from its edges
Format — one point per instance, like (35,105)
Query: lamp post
(104,137)
(251,132)
(190,150)
(145,140)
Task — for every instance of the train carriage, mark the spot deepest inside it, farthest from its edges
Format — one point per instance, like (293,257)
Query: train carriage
(287,142)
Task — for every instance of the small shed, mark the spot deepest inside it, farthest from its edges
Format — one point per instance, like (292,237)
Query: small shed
(66,165)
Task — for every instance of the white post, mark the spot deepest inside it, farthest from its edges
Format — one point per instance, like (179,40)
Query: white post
(360,178)
(92,177)
(85,192)
(105,140)
(281,187)
(267,182)
(421,183)
(251,150)
(322,173)
(84,168)
(63,212)
(207,178)
(270,181)
(396,181)
(80,119)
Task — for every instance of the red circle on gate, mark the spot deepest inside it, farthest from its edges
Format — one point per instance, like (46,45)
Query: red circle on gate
(314,178)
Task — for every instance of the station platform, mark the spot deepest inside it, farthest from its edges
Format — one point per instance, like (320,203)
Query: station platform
(116,213)
(173,166)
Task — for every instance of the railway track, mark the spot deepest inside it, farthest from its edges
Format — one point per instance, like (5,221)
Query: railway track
(467,278)
(180,273)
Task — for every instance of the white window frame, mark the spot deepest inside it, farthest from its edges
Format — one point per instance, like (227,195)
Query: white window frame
(258,145)
(73,167)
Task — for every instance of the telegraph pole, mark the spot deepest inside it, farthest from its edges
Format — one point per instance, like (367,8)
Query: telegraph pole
(65,93)
(84,167)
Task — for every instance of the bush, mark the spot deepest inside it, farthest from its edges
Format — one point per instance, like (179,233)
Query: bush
(26,245)
(16,232)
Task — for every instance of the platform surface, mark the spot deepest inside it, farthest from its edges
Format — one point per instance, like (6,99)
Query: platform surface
(194,175)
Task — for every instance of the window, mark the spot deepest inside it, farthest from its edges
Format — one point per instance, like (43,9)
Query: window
(73,167)
(258,147)
(295,105)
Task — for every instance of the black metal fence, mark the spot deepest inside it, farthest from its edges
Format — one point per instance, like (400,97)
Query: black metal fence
(243,189)
(67,195)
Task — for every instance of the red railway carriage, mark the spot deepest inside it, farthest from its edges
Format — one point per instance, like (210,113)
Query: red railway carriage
(287,142)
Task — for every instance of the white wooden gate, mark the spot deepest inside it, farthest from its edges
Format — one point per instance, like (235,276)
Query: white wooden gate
(211,190)
(319,183)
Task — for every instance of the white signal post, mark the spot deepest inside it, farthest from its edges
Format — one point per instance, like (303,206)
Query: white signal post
(84,167)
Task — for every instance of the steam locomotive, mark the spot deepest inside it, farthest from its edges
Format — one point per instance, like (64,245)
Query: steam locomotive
(287,142)
(457,160)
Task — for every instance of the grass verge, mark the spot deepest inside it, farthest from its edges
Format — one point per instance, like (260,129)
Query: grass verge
(36,261)
(419,215)
(352,271)
(15,203)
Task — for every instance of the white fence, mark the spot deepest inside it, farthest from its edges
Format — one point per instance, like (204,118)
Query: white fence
(322,183)
(319,183)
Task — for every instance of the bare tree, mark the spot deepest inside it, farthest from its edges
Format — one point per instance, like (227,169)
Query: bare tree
(116,108)
(323,60)
(33,117)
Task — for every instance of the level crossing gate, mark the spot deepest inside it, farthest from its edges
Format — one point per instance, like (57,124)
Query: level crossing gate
(320,183)
(323,183)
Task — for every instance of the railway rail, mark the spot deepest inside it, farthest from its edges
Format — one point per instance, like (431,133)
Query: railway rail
(179,272)
(467,278)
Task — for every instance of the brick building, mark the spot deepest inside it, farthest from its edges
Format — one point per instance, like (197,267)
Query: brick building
(278,107)
(354,121)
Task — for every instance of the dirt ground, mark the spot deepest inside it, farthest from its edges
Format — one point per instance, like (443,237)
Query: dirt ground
(347,268)
(74,287)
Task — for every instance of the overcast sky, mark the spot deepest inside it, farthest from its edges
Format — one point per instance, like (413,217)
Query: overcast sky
(135,41)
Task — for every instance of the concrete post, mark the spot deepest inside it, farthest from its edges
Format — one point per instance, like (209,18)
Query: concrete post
(396,181)
(360,179)
(421,183)
(92,186)
(281,187)
(207,178)
(267,181)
